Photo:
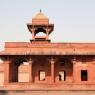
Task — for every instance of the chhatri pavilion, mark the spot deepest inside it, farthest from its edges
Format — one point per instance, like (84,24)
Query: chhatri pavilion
(43,65)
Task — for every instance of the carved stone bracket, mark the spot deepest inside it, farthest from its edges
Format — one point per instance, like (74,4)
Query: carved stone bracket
(74,60)
(7,60)
(52,61)
(30,60)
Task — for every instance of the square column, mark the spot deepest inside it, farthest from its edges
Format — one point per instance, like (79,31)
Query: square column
(6,72)
(33,33)
(52,70)
(30,71)
(76,74)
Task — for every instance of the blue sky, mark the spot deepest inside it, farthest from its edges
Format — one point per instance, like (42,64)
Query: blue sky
(74,20)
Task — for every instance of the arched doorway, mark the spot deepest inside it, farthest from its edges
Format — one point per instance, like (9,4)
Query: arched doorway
(64,70)
(18,72)
(41,70)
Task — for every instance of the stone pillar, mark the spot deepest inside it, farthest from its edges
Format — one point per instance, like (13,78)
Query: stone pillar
(6,72)
(74,69)
(33,34)
(52,70)
(47,33)
(30,71)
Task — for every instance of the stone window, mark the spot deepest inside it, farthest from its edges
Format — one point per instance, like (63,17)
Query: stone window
(62,75)
(84,75)
(41,75)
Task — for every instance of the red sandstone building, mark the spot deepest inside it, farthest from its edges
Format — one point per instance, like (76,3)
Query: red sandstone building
(42,65)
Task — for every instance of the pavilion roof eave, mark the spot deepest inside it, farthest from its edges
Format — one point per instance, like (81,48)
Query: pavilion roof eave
(3,53)
(30,25)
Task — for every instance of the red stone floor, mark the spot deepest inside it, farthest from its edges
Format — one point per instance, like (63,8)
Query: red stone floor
(47,89)
(49,93)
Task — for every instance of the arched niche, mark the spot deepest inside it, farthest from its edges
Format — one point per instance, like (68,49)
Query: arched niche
(15,68)
(40,32)
(64,70)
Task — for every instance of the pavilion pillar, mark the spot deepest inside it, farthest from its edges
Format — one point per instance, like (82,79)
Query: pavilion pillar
(6,72)
(74,70)
(47,33)
(30,71)
(52,70)
(33,33)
